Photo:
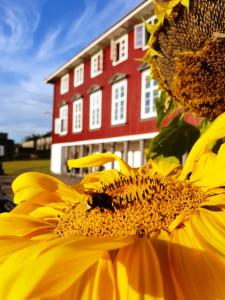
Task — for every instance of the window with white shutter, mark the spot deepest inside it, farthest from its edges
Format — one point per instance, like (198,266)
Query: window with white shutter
(95,110)
(64,84)
(78,115)
(119,102)
(79,75)
(139,36)
(97,64)
(119,50)
(149,93)
(63,115)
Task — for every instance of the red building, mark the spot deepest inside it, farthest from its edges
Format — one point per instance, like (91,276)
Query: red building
(104,98)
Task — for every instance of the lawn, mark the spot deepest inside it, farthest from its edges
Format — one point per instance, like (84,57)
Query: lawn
(16,167)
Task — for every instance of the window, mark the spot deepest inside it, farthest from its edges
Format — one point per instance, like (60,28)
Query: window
(64,84)
(57,128)
(149,93)
(95,110)
(119,50)
(78,115)
(79,75)
(97,64)
(119,102)
(141,35)
(63,116)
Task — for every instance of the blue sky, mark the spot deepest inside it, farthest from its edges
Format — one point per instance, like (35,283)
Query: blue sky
(36,37)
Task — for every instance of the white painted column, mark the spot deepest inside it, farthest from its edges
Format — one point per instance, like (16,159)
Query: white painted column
(125,151)
(141,148)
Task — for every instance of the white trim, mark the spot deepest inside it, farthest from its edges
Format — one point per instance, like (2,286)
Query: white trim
(151,90)
(123,52)
(142,7)
(78,78)
(116,88)
(135,137)
(78,114)
(64,84)
(99,57)
(63,109)
(93,110)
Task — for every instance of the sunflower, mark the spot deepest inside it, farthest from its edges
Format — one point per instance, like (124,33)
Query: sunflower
(156,232)
(187,52)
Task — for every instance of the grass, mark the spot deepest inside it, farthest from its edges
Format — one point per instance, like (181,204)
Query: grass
(16,167)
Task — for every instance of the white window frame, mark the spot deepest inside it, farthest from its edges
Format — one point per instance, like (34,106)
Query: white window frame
(119,42)
(140,34)
(152,88)
(97,61)
(78,115)
(78,75)
(95,114)
(116,104)
(64,84)
(57,126)
(63,110)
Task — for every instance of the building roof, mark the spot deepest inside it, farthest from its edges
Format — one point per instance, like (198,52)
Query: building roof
(123,25)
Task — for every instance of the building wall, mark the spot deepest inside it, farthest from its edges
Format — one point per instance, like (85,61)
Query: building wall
(134,124)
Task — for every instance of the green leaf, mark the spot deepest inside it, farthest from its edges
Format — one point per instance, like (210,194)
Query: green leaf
(176,139)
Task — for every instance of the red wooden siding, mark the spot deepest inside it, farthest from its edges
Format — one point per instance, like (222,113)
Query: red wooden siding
(134,124)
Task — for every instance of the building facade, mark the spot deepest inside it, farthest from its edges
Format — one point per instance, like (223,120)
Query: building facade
(104,100)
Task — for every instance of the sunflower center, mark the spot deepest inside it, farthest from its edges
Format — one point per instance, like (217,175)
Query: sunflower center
(136,205)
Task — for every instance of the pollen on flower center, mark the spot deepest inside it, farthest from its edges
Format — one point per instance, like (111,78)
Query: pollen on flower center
(136,205)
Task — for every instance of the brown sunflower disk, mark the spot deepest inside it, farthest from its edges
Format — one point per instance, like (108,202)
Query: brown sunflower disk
(192,66)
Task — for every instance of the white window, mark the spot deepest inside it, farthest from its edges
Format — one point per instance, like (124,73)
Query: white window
(57,126)
(119,102)
(78,115)
(79,75)
(97,64)
(149,93)
(95,119)
(64,84)
(63,115)
(141,35)
(119,50)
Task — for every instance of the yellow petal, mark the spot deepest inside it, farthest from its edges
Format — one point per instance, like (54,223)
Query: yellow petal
(204,167)
(161,245)
(215,200)
(95,283)
(164,167)
(31,184)
(95,160)
(212,134)
(22,225)
(210,232)
(42,199)
(138,274)
(11,244)
(196,273)
(94,180)
(54,265)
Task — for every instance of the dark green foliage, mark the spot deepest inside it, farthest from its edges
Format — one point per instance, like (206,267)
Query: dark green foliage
(175,139)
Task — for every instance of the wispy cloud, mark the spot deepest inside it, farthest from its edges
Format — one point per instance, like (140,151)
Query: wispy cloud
(17,24)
